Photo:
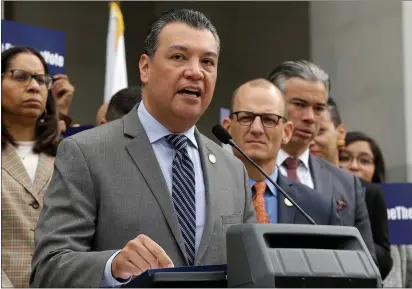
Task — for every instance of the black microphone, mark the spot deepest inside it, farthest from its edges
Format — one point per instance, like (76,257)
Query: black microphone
(225,137)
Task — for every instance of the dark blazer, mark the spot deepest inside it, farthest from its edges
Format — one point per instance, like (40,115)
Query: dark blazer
(108,187)
(375,202)
(348,192)
(321,207)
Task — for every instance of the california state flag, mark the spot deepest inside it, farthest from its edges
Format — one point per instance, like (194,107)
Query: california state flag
(116,72)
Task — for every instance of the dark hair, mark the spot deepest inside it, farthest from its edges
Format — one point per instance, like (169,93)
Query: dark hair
(298,68)
(194,19)
(334,112)
(379,174)
(122,102)
(47,132)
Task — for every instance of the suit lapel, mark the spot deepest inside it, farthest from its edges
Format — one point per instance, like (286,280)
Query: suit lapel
(209,173)
(143,156)
(12,164)
(286,213)
(321,177)
(44,172)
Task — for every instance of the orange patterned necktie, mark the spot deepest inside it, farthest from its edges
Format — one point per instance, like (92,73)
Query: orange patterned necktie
(259,203)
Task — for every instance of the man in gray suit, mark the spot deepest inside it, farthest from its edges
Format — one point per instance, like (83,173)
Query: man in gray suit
(148,190)
(258,124)
(306,89)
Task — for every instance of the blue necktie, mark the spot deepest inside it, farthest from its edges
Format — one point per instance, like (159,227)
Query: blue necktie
(183,192)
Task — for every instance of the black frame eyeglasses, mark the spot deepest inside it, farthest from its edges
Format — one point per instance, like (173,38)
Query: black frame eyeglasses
(25,77)
(246,118)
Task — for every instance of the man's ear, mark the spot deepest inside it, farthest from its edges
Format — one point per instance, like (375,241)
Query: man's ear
(144,68)
(341,131)
(226,123)
(287,132)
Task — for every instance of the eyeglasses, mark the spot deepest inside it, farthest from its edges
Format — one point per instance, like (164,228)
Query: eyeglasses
(25,77)
(346,159)
(246,118)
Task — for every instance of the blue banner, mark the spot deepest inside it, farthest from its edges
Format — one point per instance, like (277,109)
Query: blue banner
(50,43)
(399,205)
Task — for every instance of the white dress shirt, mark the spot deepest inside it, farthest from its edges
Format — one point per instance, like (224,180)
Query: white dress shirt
(303,170)
(164,152)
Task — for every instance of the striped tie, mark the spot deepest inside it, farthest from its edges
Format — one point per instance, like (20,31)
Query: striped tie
(183,192)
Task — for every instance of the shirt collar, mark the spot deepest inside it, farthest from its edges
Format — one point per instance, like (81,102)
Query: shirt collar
(155,130)
(304,157)
(273,176)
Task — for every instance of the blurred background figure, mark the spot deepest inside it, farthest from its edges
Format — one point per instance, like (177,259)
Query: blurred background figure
(101,114)
(363,157)
(358,159)
(62,91)
(29,139)
(122,102)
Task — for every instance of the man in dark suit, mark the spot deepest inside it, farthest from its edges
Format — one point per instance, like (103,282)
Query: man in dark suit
(148,190)
(258,125)
(306,88)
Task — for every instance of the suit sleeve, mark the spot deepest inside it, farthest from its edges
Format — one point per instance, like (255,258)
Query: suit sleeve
(379,224)
(362,222)
(66,226)
(249,212)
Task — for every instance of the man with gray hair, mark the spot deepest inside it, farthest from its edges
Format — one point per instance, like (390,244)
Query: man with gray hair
(148,190)
(306,87)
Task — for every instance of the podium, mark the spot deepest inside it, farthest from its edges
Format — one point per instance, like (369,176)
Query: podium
(279,256)
(292,255)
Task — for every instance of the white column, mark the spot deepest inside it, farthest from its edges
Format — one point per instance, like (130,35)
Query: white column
(360,45)
(407,73)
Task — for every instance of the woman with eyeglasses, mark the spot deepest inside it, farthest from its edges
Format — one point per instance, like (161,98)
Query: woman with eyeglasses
(29,140)
(330,145)
(363,157)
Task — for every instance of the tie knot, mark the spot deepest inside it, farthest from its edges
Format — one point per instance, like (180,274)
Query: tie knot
(292,163)
(178,141)
(260,188)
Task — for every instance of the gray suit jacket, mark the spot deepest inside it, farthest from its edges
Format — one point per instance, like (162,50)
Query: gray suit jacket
(347,190)
(321,207)
(107,188)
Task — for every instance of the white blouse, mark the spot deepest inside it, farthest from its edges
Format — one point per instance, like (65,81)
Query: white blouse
(30,159)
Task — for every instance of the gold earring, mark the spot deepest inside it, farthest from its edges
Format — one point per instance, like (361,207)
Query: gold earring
(44,117)
(341,144)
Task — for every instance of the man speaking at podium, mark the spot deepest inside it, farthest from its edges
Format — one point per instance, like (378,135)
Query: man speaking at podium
(148,190)
(259,126)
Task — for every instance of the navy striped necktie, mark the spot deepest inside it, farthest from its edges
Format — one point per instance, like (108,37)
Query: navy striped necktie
(183,192)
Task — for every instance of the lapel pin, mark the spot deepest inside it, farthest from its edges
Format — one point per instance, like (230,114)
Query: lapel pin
(212,158)
(288,203)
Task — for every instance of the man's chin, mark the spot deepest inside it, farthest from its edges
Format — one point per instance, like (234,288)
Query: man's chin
(256,156)
(300,141)
(188,113)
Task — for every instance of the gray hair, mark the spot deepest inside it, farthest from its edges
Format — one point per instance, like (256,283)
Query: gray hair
(192,18)
(298,68)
